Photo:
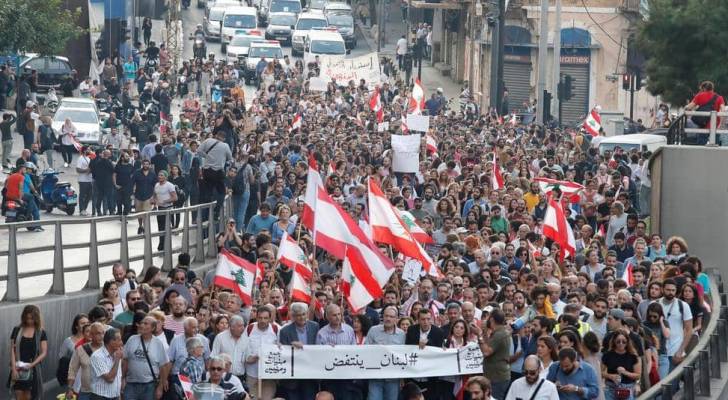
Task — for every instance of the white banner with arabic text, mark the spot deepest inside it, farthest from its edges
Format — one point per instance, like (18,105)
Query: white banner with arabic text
(346,69)
(367,362)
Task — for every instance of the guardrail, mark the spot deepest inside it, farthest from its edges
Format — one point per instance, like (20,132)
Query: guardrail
(703,362)
(198,235)
(678,128)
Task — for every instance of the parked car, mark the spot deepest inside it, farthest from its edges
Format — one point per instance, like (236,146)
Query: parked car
(85,119)
(52,70)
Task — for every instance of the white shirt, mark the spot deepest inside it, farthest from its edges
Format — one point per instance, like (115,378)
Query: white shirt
(235,348)
(101,363)
(82,163)
(521,389)
(675,319)
(256,339)
(402,46)
(163,193)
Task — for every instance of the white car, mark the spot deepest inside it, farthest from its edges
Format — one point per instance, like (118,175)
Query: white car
(317,4)
(280,26)
(306,22)
(236,19)
(327,42)
(213,23)
(269,49)
(238,47)
(84,118)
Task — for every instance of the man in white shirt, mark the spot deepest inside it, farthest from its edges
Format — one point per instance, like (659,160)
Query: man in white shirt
(401,50)
(530,386)
(680,320)
(234,343)
(85,180)
(260,333)
(106,366)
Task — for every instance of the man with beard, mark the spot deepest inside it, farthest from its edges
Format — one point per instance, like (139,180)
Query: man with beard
(679,319)
(175,321)
(479,388)
(574,380)
(145,363)
(143,180)
(530,386)
(532,197)
(430,202)
(598,321)
(418,211)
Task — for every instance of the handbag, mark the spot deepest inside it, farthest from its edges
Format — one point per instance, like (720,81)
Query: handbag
(622,393)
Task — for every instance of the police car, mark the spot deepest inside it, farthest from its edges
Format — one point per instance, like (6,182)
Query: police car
(268,49)
(306,22)
(237,50)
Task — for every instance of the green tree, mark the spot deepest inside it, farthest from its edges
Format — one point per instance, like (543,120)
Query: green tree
(685,42)
(38,26)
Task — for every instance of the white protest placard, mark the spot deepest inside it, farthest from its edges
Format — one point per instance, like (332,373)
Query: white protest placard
(344,70)
(419,123)
(367,362)
(411,271)
(317,84)
(406,153)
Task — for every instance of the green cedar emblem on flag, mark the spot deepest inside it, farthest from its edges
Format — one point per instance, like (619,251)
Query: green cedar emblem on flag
(239,276)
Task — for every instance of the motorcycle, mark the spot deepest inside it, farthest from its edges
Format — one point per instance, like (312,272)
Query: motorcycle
(199,48)
(151,65)
(57,194)
(14,211)
(151,111)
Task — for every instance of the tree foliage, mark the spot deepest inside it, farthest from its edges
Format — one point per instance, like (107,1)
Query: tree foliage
(37,26)
(685,42)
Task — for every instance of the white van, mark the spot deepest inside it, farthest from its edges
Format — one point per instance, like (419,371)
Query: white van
(306,22)
(235,19)
(326,42)
(640,141)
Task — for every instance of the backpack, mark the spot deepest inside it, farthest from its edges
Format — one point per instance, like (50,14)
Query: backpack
(249,330)
(704,121)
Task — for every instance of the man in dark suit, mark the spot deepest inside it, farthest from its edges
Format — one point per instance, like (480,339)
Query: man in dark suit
(298,334)
(426,334)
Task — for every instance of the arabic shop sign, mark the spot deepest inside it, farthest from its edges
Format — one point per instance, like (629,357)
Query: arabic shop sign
(367,362)
(344,70)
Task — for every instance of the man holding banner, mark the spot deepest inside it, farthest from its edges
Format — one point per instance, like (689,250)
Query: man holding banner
(385,333)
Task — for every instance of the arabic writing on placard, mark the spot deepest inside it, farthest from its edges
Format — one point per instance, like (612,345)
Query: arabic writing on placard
(275,363)
(344,70)
(388,360)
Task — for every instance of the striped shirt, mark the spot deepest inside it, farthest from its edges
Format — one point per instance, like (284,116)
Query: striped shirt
(341,336)
(102,362)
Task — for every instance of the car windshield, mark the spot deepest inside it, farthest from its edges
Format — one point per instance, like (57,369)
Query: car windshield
(267,52)
(285,6)
(283,20)
(306,24)
(341,20)
(327,47)
(76,116)
(317,4)
(216,14)
(245,40)
(627,147)
(240,21)
(77,104)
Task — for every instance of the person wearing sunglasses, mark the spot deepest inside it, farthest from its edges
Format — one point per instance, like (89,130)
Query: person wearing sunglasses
(655,321)
(531,385)
(216,374)
(621,368)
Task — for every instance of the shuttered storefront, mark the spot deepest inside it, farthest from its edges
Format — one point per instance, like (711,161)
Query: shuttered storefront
(575,62)
(517,79)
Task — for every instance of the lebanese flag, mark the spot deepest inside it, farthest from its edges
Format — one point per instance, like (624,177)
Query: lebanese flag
(388,227)
(403,125)
(291,255)
(296,124)
(417,99)
(431,145)
(300,287)
(186,387)
(313,182)
(236,274)
(414,229)
(375,104)
(336,232)
(593,123)
(628,277)
(496,178)
(569,189)
(557,228)
(331,168)
(260,274)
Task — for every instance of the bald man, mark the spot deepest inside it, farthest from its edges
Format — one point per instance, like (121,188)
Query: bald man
(530,383)
(324,395)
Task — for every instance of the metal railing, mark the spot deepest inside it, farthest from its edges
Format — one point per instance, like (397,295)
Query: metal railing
(703,362)
(678,130)
(197,235)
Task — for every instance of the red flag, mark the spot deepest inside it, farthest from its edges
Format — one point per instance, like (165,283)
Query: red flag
(260,273)
(313,183)
(593,123)
(628,274)
(187,387)
(375,104)
(291,255)
(496,179)
(431,145)
(237,274)
(296,124)
(557,228)
(417,99)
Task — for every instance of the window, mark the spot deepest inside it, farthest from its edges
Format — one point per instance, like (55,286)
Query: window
(240,21)
(328,47)
(307,24)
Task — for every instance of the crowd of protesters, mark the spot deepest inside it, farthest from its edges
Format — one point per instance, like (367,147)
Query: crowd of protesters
(563,327)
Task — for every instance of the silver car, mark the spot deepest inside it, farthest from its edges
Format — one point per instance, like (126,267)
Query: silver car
(85,119)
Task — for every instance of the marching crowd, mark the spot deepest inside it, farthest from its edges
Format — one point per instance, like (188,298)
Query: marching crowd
(604,320)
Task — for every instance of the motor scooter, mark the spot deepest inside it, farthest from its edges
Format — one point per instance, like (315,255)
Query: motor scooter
(57,194)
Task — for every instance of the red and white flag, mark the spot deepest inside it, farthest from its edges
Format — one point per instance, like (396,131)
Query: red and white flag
(628,274)
(331,168)
(336,232)
(388,227)
(313,183)
(415,230)
(569,189)
(431,143)
(236,274)
(260,274)
(403,125)
(291,255)
(534,251)
(186,387)
(300,288)
(593,122)
(496,179)
(417,99)
(296,124)
(557,228)
(459,389)
(375,104)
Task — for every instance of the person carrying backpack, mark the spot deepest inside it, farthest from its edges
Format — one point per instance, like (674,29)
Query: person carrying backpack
(705,100)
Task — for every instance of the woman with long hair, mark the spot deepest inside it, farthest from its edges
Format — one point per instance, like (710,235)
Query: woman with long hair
(110,292)
(677,250)
(28,348)
(79,322)
(283,224)
(590,351)
(457,338)
(689,294)
(360,324)
(547,352)
(221,323)
(621,368)
(68,139)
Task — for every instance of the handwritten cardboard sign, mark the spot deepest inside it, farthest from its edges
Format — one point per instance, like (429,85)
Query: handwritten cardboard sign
(344,70)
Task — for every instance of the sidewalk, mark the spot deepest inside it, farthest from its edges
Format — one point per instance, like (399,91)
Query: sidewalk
(394,28)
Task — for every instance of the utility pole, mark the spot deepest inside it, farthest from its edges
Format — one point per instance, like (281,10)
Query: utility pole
(542,54)
(556,101)
(380,26)
(497,23)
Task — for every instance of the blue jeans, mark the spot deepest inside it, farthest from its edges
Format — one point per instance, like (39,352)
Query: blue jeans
(663,365)
(383,389)
(609,390)
(83,396)
(139,391)
(32,206)
(240,204)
